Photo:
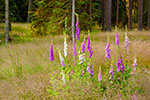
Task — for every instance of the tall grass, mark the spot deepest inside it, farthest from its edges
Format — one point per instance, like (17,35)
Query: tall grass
(24,68)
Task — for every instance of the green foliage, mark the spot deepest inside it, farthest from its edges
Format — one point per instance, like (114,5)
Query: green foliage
(17,10)
(49,16)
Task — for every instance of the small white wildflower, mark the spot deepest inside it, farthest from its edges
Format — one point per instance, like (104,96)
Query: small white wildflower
(81,58)
(65,47)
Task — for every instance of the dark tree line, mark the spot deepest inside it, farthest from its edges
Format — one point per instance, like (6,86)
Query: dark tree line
(47,16)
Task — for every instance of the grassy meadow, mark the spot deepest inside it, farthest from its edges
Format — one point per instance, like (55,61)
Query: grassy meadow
(25,64)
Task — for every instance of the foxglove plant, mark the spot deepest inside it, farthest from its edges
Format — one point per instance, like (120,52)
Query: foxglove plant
(74,49)
(74,52)
(63,64)
(65,46)
(89,48)
(77,29)
(111,72)
(83,46)
(134,97)
(71,72)
(82,72)
(99,76)
(120,65)
(107,51)
(81,58)
(126,44)
(51,53)
(90,70)
(83,69)
(61,59)
(117,39)
(134,65)
(119,95)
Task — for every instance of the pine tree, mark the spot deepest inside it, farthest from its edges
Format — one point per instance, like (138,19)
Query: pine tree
(117,14)
(108,15)
(130,15)
(140,16)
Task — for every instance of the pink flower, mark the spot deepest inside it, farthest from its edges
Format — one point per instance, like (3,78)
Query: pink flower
(120,65)
(99,76)
(51,53)
(83,46)
(117,39)
(107,51)
(89,48)
(82,72)
(71,72)
(74,49)
(77,30)
(134,65)
(111,71)
(90,69)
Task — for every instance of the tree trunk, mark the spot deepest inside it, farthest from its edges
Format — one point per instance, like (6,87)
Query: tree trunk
(149,14)
(130,15)
(73,18)
(108,15)
(102,17)
(90,8)
(117,14)
(29,9)
(140,16)
(6,21)
(105,14)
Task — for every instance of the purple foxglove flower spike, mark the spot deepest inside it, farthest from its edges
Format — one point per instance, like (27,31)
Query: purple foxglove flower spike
(122,67)
(119,95)
(61,59)
(83,46)
(117,39)
(77,30)
(82,72)
(92,72)
(126,44)
(111,71)
(88,43)
(134,65)
(135,62)
(90,69)
(107,51)
(74,49)
(51,53)
(118,65)
(71,72)
(99,76)
(134,97)
(89,48)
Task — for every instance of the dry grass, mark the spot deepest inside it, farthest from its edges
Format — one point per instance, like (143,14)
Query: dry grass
(24,68)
